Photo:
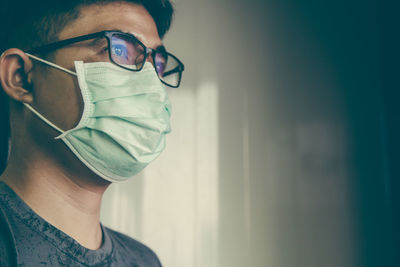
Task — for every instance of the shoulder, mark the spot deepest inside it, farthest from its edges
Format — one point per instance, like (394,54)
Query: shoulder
(126,246)
(7,246)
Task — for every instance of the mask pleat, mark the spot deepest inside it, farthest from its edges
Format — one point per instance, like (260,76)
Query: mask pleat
(141,106)
(116,85)
(126,118)
(138,137)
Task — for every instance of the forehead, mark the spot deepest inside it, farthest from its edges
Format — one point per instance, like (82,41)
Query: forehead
(123,16)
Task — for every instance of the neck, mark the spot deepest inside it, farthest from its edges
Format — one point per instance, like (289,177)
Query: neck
(48,189)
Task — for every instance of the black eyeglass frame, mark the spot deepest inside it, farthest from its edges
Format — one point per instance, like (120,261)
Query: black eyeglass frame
(108,34)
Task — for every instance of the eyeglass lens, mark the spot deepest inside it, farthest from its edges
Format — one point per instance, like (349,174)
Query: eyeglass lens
(168,71)
(129,53)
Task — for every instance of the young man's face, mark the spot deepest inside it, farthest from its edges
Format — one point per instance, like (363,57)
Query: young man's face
(57,94)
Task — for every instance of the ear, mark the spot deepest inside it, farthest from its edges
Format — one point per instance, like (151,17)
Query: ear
(15,77)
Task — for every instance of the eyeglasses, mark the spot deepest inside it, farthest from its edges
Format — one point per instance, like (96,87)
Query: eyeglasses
(127,52)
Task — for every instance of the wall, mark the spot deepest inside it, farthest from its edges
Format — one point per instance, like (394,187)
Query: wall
(277,155)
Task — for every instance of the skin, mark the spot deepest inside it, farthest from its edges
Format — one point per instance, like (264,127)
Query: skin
(42,170)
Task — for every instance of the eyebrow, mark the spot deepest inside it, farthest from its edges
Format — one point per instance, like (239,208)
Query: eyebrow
(160,47)
(141,38)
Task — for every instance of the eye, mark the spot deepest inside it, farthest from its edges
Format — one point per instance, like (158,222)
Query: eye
(120,51)
(160,66)
(160,63)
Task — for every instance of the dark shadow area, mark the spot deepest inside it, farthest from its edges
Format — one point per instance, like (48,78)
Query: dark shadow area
(314,67)
(4,131)
(391,96)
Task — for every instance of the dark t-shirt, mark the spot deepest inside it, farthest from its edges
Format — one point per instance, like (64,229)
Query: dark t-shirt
(26,239)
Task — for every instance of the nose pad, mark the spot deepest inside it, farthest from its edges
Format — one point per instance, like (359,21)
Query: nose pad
(149,57)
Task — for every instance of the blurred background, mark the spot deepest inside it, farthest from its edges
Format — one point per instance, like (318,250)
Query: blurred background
(285,148)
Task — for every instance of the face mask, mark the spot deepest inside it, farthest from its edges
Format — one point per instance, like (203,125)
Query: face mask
(125,119)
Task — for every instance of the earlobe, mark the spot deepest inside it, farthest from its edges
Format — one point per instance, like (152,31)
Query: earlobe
(15,67)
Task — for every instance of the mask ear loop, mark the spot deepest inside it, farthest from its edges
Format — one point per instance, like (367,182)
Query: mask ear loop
(51,64)
(43,118)
(36,112)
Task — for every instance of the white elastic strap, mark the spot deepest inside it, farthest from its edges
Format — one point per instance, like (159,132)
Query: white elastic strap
(51,64)
(43,118)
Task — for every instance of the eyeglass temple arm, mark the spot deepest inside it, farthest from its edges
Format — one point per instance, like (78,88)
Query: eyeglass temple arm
(58,44)
(175,70)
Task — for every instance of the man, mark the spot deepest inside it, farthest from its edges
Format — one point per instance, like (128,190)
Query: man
(86,87)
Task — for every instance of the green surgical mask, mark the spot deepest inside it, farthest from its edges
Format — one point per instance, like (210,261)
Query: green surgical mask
(125,119)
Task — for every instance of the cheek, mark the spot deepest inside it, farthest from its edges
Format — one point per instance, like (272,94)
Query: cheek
(73,98)
(58,98)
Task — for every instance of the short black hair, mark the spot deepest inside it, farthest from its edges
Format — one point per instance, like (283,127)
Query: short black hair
(29,23)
